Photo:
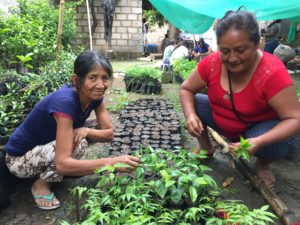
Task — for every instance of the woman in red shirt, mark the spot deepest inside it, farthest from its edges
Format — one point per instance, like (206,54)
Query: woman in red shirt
(250,94)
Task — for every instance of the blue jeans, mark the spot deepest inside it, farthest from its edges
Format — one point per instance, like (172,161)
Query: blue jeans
(273,152)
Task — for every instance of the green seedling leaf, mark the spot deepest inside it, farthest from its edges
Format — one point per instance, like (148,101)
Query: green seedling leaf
(242,150)
(193,194)
(121,165)
(103,181)
(160,189)
(139,173)
(169,183)
(78,191)
(201,181)
(105,168)
(176,195)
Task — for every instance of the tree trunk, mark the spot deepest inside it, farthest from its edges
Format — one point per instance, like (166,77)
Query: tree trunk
(173,32)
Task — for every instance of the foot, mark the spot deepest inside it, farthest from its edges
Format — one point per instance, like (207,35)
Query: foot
(204,143)
(264,173)
(44,198)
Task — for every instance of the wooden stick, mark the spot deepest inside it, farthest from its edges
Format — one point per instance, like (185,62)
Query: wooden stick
(287,216)
(59,30)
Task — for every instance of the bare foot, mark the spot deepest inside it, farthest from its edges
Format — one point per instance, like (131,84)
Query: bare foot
(44,198)
(204,143)
(264,173)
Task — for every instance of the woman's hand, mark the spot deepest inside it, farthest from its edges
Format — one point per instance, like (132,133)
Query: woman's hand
(79,134)
(194,126)
(252,149)
(131,161)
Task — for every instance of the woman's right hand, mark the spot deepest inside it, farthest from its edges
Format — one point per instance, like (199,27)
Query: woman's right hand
(194,126)
(131,161)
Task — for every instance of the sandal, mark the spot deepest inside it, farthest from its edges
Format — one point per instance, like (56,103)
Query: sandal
(267,179)
(48,198)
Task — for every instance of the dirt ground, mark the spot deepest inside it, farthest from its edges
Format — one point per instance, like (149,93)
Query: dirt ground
(23,210)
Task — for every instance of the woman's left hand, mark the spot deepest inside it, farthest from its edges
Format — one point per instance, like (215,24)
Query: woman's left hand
(79,134)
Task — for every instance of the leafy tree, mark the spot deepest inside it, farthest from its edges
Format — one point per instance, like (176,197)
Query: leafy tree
(154,17)
(32,28)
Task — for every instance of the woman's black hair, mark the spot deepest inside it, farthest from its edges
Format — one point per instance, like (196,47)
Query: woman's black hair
(239,20)
(87,61)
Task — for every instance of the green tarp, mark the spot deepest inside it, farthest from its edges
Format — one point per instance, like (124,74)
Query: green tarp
(197,16)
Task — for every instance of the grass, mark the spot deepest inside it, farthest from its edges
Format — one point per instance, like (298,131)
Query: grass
(121,66)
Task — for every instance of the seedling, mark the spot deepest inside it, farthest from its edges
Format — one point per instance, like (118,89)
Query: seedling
(242,150)
(168,188)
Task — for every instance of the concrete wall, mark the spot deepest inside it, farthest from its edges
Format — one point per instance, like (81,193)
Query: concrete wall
(156,35)
(127,33)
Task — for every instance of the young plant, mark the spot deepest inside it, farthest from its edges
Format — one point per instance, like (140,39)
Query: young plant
(184,67)
(117,104)
(168,188)
(142,72)
(242,150)
(234,212)
(24,60)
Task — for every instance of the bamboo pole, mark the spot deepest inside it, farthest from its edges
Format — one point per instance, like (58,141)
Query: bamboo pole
(287,216)
(89,24)
(59,31)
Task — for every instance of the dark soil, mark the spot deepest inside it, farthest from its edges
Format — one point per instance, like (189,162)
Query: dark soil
(22,209)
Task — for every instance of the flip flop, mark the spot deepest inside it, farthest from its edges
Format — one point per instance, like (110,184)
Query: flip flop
(48,198)
(268,181)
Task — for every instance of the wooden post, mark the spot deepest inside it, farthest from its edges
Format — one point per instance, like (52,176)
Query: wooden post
(89,24)
(59,31)
(287,216)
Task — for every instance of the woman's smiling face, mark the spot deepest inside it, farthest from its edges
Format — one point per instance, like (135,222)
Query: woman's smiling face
(238,52)
(95,83)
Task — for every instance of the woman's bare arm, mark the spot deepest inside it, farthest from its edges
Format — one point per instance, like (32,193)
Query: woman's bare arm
(187,93)
(68,166)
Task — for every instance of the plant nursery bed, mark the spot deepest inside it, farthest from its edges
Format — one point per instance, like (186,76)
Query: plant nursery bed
(135,124)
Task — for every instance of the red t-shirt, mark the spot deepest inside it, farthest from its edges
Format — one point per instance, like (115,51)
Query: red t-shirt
(251,103)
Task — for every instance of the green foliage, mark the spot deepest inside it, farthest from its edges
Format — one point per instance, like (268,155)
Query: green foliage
(154,17)
(32,28)
(22,92)
(117,104)
(145,72)
(25,59)
(184,67)
(242,150)
(168,188)
(237,213)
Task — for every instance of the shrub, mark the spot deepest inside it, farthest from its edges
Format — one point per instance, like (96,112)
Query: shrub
(184,67)
(32,28)
(19,93)
(145,72)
